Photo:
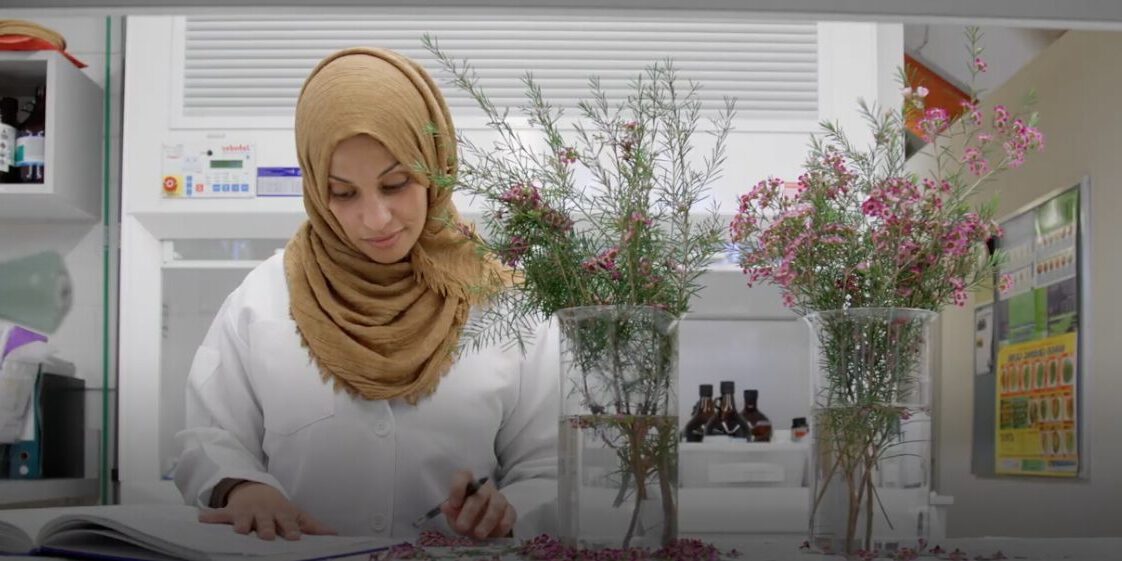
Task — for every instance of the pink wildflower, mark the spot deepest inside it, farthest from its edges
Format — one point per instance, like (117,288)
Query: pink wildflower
(514,251)
(973,112)
(1005,284)
(1000,117)
(975,161)
(789,299)
(934,121)
(960,295)
(520,195)
(567,155)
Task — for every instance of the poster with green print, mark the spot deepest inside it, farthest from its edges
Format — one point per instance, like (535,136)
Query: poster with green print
(1036,340)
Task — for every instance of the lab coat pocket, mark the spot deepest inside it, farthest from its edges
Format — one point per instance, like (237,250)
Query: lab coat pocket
(292,393)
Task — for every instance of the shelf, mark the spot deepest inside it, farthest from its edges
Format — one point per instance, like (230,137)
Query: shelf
(73,187)
(210,264)
(726,444)
(19,491)
(22,188)
(721,267)
(31,202)
(263,217)
(21,75)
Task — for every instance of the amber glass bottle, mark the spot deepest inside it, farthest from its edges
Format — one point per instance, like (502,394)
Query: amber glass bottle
(703,412)
(728,420)
(760,425)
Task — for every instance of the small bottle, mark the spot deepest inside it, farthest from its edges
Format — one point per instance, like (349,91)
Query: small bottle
(9,108)
(799,429)
(728,421)
(703,412)
(760,425)
(31,145)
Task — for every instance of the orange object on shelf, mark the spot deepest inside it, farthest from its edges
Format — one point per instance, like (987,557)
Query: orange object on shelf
(940,93)
(20,35)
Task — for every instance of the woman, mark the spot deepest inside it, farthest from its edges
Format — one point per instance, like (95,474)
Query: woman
(327,396)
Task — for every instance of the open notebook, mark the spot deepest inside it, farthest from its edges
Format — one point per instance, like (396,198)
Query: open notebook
(158,533)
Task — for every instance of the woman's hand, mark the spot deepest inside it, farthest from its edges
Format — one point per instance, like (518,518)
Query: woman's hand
(485,514)
(259,507)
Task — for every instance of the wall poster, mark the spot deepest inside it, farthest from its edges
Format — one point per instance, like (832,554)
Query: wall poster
(1036,334)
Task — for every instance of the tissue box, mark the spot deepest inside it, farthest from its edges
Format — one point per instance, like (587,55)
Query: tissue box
(720,461)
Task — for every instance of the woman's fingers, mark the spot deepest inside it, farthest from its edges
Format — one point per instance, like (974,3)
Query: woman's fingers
(215,516)
(265,511)
(470,513)
(263,522)
(458,489)
(506,526)
(287,526)
(492,516)
(243,522)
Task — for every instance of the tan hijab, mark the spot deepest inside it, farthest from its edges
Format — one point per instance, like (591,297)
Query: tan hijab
(380,331)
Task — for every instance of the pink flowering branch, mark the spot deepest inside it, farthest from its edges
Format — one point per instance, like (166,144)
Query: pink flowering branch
(861,231)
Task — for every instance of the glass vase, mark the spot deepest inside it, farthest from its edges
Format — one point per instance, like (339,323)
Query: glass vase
(871,428)
(618,450)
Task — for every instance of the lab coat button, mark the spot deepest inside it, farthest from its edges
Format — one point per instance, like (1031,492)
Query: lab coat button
(382,428)
(378,522)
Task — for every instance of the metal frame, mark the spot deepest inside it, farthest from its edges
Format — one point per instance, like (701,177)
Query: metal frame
(1071,14)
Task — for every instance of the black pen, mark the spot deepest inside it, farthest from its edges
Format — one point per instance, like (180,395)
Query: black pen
(472,487)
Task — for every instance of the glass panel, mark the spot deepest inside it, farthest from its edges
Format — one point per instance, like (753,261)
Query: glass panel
(231,250)
(58,277)
(191,300)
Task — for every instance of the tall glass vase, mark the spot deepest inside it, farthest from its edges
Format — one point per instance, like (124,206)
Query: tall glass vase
(618,451)
(872,418)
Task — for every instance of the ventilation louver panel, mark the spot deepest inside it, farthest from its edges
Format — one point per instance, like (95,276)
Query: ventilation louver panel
(255,66)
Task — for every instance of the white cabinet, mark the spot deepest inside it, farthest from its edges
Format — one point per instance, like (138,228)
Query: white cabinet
(74,140)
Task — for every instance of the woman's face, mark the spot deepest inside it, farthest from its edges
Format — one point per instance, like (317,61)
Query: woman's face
(381,206)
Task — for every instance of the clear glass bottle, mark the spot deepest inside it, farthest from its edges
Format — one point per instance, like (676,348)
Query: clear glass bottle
(31,141)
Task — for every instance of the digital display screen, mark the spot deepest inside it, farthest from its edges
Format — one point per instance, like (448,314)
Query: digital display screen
(225,164)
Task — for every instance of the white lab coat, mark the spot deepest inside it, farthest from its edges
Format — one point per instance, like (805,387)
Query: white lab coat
(257,409)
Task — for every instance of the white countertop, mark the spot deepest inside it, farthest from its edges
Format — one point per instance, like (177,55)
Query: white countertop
(786,548)
(1021,549)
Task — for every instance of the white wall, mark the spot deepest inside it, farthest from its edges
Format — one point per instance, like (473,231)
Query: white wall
(1006,49)
(81,336)
(1077,79)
